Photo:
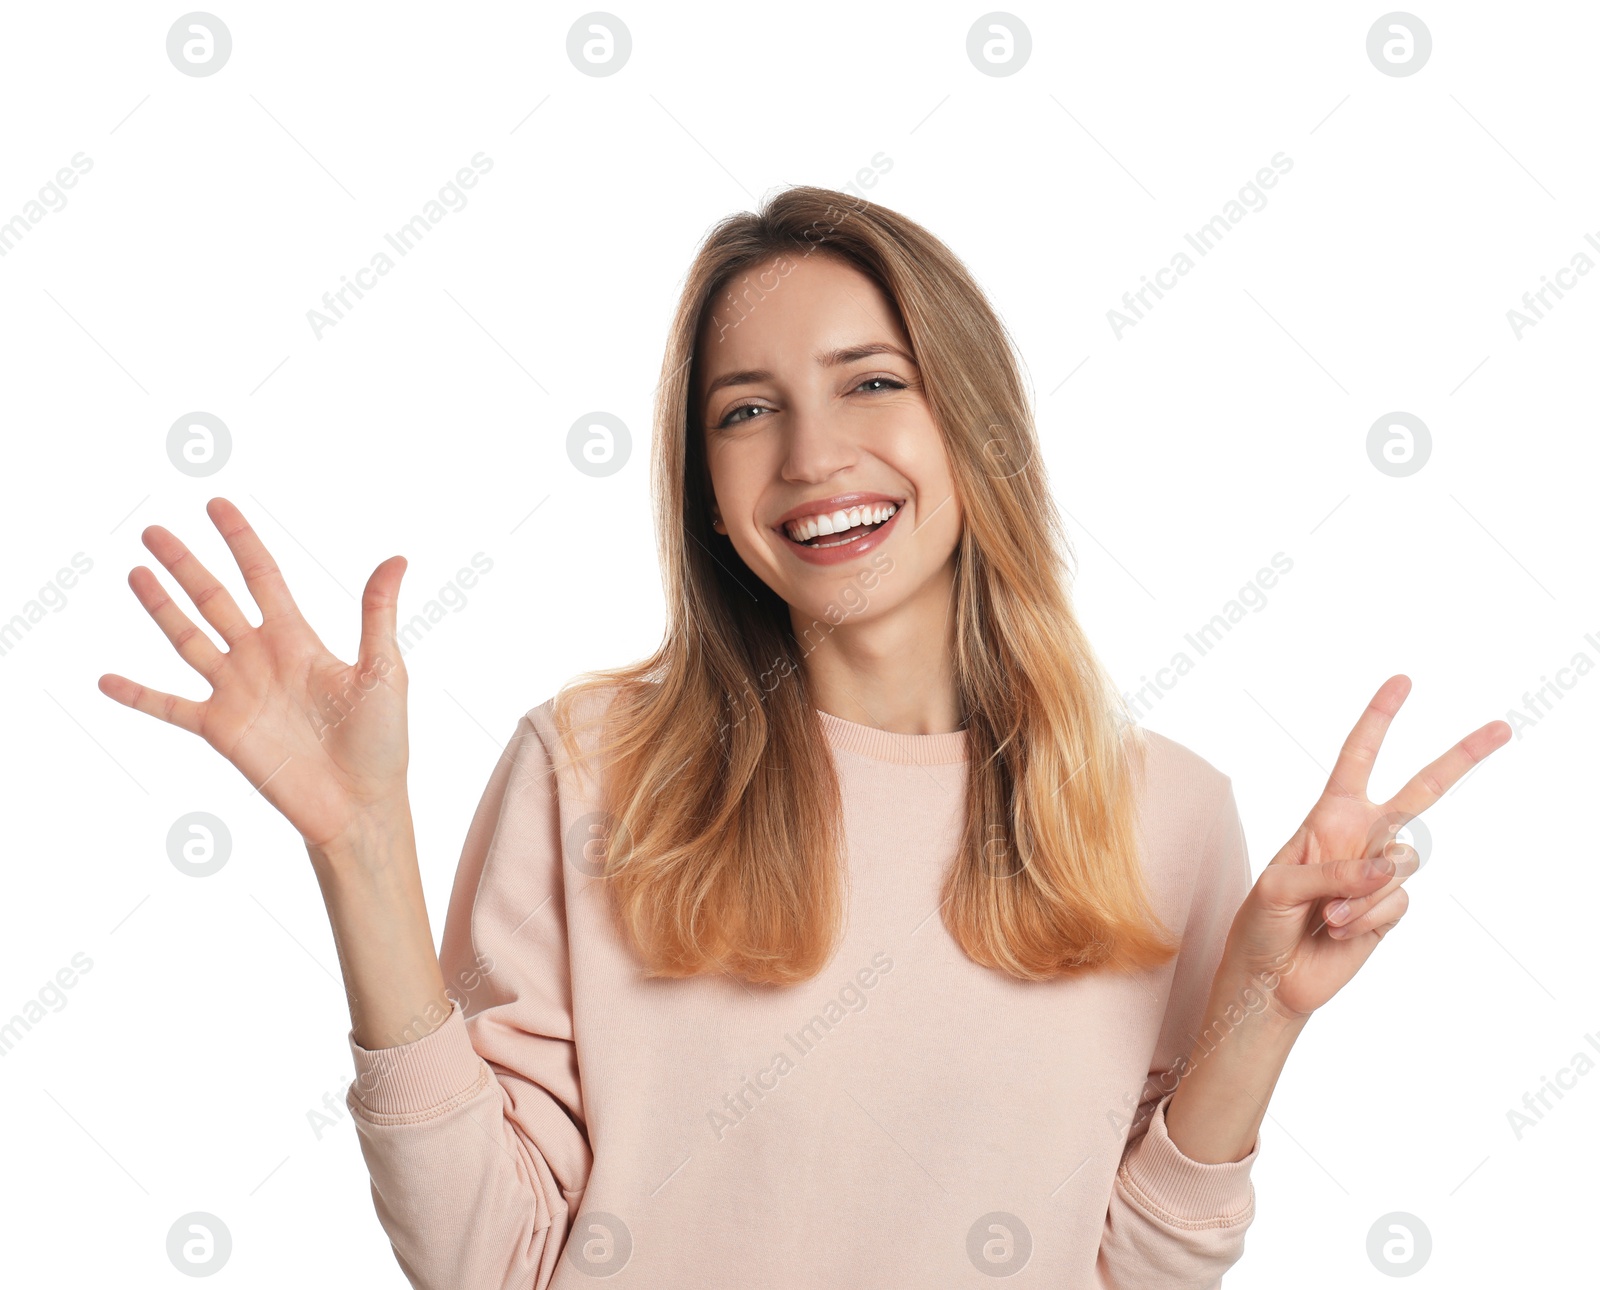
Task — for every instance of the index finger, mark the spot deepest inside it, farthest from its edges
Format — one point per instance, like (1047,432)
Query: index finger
(255,562)
(1428,785)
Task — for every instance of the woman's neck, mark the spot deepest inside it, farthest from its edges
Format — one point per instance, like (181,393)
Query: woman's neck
(894,671)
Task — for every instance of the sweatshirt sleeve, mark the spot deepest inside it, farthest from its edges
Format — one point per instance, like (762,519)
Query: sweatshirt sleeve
(474,1134)
(1174,1223)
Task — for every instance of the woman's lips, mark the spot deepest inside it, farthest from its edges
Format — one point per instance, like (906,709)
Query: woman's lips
(848,550)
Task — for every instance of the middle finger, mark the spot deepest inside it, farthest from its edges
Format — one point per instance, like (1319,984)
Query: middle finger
(210,597)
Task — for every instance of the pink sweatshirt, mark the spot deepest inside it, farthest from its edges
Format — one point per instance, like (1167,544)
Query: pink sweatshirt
(905,1119)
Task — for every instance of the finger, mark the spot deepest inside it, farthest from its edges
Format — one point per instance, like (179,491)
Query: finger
(1354,766)
(186,714)
(1383,915)
(379,610)
(1346,910)
(261,573)
(210,597)
(1429,784)
(194,647)
(1286,886)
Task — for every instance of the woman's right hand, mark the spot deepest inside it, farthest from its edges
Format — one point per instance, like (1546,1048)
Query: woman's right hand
(324,741)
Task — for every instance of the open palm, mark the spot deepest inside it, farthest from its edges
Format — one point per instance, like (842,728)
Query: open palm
(322,740)
(1282,928)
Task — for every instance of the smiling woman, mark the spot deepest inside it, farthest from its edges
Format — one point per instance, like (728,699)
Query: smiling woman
(938,798)
(873,787)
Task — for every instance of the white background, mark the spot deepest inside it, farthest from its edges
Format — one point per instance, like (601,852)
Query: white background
(1227,425)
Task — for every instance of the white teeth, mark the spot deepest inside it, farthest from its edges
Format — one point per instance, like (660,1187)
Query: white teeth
(839,521)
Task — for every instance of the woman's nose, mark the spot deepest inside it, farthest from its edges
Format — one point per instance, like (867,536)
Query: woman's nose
(818,443)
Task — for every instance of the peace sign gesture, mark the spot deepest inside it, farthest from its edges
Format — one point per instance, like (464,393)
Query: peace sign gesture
(1318,911)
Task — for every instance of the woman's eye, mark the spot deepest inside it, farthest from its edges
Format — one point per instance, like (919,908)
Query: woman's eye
(744,407)
(732,418)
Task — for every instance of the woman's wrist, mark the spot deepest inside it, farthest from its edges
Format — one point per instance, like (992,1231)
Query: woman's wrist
(372,887)
(1215,1113)
(370,840)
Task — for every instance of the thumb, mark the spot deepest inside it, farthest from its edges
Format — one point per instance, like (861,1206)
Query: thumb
(379,605)
(1289,885)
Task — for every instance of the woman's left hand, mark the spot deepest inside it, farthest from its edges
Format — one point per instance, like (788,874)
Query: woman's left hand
(1316,913)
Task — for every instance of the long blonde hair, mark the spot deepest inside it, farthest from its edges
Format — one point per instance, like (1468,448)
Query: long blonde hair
(723,830)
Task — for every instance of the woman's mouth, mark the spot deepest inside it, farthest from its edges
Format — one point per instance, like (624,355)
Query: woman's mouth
(850,525)
(842,535)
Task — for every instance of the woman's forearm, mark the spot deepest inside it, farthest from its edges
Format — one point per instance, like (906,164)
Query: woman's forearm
(1221,1099)
(372,887)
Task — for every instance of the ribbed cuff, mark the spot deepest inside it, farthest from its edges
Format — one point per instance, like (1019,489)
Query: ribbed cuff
(1183,1192)
(426,1075)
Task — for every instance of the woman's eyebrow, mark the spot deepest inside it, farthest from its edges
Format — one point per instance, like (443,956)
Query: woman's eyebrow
(824,358)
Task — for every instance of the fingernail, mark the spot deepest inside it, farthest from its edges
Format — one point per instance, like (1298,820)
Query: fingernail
(1338,912)
(1378,866)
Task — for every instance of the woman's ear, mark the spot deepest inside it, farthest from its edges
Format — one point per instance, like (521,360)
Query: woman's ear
(716,522)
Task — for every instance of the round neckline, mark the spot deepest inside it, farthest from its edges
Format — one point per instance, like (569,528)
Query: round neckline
(891,745)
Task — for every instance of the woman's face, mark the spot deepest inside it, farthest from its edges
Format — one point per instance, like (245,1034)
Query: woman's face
(797,420)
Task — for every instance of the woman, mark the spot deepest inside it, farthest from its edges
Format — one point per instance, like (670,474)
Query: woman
(854,938)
